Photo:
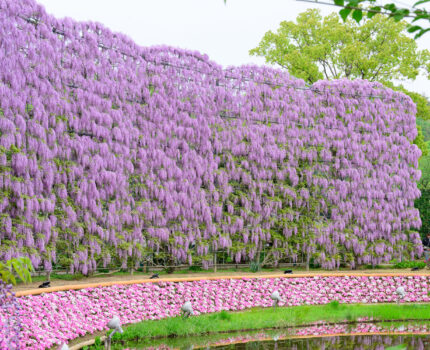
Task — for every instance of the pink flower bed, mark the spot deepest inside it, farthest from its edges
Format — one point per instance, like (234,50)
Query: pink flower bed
(53,318)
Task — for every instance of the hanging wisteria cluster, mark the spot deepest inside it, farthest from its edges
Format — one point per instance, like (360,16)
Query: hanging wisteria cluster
(109,151)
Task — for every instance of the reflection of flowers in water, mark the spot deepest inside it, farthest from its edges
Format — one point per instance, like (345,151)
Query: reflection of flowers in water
(360,328)
(323,329)
(354,340)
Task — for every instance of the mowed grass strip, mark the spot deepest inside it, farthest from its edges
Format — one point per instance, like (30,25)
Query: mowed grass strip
(260,318)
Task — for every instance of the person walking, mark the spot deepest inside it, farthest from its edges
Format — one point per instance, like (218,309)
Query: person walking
(426,245)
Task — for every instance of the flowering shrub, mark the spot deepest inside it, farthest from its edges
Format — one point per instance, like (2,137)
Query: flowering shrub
(60,316)
(9,318)
(110,148)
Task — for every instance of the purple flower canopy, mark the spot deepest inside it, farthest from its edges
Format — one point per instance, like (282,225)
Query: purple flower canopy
(109,151)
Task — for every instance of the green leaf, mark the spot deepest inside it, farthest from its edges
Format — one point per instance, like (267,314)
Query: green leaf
(354,3)
(375,10)
(421,32)
(339,2)
(344,13)
(12,279)
(399,14)
(18,269)
(27,261)
(390,7)
(412,29)
(420,2)
(398,17)
(418,17)
(27,276)
(357,15)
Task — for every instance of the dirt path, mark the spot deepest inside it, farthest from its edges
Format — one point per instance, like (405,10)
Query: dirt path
(124,278)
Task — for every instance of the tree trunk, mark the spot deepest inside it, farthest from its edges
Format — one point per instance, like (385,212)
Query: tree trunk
(48,275)
(171,266)
(215,261)
(308,259)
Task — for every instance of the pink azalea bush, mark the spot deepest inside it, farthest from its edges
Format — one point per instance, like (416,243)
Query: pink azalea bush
(10,326)
(53,318)
(110,151)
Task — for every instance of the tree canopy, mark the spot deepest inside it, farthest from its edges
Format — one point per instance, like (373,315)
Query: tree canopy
(377,49)
(316,48)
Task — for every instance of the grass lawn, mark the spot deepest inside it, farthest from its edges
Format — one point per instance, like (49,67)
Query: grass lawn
(79,276)
(260,318)
(178,273)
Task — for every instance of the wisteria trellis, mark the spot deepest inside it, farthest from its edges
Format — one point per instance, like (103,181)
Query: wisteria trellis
(108,149)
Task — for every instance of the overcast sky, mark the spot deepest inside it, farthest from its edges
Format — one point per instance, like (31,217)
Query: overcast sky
(225,32)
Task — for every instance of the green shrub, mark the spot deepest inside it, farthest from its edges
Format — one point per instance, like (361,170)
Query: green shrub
(68,277)
(410,264)
(195,268)
(255,266)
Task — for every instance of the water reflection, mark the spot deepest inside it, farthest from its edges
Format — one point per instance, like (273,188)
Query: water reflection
(357,342)
(359,336)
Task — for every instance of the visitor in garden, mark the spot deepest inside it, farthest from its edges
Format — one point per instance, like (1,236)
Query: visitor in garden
(426,245)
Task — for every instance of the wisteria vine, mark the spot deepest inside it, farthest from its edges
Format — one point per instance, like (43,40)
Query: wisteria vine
(110,151)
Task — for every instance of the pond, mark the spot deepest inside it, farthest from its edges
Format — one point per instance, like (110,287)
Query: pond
(356,342)
(366,335)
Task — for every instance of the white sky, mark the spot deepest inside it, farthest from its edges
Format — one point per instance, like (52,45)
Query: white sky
(225,32)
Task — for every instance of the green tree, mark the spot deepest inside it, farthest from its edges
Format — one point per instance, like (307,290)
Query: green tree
(377,49)
(20,267)
(421,143)
(316,48)
(422,102)
(423,205)
(425,126)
